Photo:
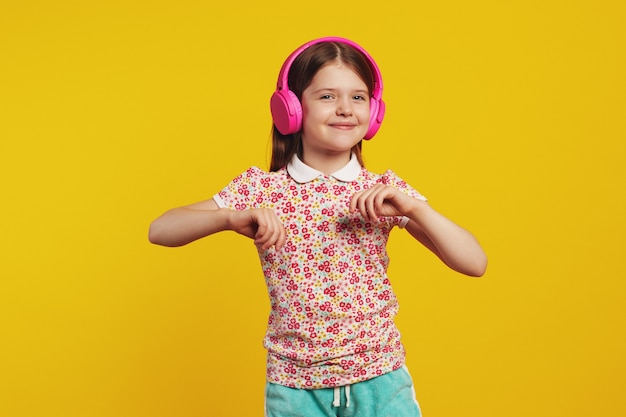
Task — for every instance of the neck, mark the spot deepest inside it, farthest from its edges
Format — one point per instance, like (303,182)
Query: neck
(327,163)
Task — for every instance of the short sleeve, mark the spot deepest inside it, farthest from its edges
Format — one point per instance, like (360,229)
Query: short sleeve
(239,194)
(392,179)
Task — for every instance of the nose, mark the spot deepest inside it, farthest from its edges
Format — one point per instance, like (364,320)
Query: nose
(344,107)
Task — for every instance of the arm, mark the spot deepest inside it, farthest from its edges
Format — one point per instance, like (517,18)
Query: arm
(455,246)
(183,225)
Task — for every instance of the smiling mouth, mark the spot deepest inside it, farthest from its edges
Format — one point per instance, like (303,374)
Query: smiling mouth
(344,126)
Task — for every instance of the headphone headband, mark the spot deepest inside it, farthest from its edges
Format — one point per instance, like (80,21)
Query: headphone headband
(287,110)
(283,76)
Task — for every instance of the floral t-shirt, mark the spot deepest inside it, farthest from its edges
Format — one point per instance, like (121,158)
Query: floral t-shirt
(332,305)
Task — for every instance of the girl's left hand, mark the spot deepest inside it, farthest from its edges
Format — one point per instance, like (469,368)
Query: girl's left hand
(382,201)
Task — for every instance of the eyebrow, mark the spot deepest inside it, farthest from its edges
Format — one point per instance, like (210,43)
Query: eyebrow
(364,92)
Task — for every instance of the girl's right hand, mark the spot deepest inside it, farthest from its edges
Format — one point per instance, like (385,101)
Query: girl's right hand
(182,225)
(262,225)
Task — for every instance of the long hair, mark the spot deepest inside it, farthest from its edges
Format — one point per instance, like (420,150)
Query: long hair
(301,74)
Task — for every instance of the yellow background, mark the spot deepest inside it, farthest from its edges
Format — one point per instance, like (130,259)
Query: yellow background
(508,115)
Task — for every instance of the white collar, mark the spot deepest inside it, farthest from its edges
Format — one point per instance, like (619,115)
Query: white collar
(302,173)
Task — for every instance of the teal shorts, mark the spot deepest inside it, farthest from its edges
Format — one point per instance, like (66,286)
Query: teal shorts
(389,395)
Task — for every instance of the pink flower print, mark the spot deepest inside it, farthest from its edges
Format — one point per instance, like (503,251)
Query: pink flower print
(384,295)
(333,329)
(346,364)
(283,311)
(292,286)
(286,345)
(359,300)
(327,307)
(289,208)
(339,189)
(290,369)
(276,197)
(310,295)
(353,239)
(243,190)
(293,324)
(360,348)
(328,344)
(329,250)
(328,212)
(324,226)
(324,267)
(330,291)
(289,247)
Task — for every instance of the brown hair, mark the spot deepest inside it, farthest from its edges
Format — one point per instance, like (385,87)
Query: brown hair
(301,74)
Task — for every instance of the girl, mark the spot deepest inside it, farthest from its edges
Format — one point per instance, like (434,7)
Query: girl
(320,222)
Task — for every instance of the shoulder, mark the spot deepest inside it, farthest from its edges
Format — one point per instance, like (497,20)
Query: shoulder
(251,186)
(256,179)
(255,173)
(389,177)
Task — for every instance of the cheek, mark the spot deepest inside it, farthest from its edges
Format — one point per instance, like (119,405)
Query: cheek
(313,113)
(364,114)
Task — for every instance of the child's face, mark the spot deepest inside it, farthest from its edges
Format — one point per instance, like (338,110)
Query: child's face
(335,110)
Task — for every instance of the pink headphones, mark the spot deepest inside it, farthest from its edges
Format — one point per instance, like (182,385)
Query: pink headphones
(287,110)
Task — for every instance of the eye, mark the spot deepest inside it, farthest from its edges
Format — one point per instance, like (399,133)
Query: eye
(359,98)
(326,97)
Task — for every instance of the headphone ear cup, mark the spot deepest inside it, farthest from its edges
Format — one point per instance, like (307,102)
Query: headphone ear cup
(377,113)
(286,112)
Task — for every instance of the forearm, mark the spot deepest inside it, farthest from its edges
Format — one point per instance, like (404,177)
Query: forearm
(183,225)
(454,245)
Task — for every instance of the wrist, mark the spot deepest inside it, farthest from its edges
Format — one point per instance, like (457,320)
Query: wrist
(226,217)
(418,210)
